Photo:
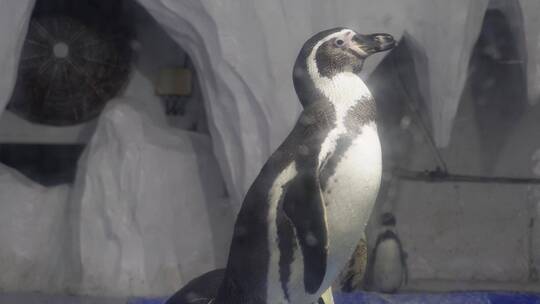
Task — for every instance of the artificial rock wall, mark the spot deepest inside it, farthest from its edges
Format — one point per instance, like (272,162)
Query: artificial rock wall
(247,69)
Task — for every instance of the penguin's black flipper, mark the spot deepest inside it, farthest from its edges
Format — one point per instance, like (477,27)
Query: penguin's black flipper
(200,290)
(304,207)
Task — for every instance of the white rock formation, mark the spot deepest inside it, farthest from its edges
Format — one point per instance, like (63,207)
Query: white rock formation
(33,234)
(145,191)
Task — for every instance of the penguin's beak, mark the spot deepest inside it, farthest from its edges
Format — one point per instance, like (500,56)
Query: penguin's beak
(365,45)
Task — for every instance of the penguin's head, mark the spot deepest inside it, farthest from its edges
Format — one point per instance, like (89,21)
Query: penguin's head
(334,51)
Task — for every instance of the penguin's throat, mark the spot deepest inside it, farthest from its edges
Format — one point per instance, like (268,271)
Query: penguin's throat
(343,90)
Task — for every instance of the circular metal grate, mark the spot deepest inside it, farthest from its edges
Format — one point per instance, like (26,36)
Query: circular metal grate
(68,71)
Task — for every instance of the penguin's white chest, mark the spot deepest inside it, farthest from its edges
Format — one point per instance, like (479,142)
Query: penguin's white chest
(349,198)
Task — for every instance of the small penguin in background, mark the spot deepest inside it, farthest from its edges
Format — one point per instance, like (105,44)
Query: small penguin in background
(384,269)
(300,220)
(387,267)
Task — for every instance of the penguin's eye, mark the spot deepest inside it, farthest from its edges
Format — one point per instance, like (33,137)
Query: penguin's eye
(339,42)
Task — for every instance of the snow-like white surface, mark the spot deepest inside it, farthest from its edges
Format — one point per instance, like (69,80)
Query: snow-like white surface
(144,191)
(153,206)
(32,233)
(148,212)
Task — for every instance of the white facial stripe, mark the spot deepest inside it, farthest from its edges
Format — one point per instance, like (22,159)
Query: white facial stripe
(343,90)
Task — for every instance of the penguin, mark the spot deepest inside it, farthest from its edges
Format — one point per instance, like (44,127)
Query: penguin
(388,266)
(386,271)
(300,220)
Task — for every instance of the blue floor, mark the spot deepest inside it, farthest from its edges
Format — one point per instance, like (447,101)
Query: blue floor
(444,298)
(447,298)
(357,298)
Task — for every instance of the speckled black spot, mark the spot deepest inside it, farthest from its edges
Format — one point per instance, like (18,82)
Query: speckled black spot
(331,60)
(363,112)
(307,120)
(303,84)
(342,144)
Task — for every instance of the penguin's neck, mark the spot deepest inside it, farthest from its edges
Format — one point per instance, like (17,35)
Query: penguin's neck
(343,91)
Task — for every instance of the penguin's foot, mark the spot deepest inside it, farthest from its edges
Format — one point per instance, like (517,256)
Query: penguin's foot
(353,275)
(326,297)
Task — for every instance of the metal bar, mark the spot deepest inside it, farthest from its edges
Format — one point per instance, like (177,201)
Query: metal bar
(438,176)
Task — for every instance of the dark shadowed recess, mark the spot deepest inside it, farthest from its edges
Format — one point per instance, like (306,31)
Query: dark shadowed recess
(48,165)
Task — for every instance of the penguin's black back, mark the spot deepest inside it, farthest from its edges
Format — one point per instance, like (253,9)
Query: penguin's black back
(249,256)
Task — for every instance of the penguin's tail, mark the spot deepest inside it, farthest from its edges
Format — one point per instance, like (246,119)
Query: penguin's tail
(201,290)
